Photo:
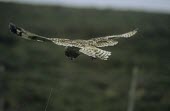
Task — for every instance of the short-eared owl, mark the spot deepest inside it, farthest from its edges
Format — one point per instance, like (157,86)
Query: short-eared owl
(89,47)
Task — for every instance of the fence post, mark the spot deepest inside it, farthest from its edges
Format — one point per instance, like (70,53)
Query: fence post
(132,90)
(2,70)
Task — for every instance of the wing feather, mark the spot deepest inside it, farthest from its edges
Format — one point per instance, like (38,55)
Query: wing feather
(125,35)
(95,52)
(106,43)
(31,36)
(110,40)
(68,42)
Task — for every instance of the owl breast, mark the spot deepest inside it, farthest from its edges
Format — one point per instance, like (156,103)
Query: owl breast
(72,52)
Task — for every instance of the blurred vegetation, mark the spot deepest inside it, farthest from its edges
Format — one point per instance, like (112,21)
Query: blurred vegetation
(28,69)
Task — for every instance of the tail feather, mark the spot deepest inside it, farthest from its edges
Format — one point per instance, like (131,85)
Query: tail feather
(102,54)
(96,52)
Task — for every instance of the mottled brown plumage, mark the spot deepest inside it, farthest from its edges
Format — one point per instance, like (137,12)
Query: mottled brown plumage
(74,47)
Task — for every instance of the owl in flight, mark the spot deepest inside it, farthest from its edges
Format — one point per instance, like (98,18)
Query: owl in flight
(89,47)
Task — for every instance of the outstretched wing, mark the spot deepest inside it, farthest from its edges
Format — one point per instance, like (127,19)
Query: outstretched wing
(31,36)
(95,52)
(110,40)
(105,43)
(26,34)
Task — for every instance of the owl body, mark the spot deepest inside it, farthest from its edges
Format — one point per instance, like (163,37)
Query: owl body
(89,47)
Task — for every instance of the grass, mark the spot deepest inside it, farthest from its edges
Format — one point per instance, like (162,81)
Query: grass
(30,69)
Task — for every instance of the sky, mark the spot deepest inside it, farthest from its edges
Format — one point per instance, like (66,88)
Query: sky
(142,5)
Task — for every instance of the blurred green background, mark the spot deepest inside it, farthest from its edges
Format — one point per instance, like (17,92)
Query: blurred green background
(28,69)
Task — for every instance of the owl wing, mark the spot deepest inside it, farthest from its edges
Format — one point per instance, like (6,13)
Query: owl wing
(95,52)
(110,40)
(105,43)
(31,36)
(20,32)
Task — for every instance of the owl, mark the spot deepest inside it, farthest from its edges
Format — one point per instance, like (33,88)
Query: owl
(74,48)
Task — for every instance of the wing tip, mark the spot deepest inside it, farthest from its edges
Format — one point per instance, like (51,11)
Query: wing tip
(136,30)
(12,28)
(131,33)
